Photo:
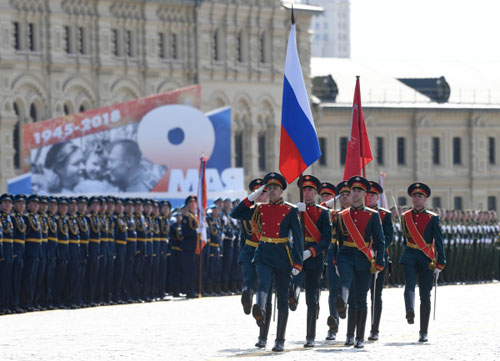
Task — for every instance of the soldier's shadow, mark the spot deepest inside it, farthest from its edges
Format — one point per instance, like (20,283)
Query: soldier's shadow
(404,343)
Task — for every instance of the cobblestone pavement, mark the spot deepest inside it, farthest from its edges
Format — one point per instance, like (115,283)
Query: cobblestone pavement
(467,327)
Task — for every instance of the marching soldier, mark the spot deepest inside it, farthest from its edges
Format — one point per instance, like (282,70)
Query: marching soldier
(423,256)
(155,269)
(62,252)
(74,259)
(111,251)
(32,252)
(52,251)
(377,285)
(229,235)
(7,256)
(148,255)
(142,230)
(360,233)
(128,273)
(84,231)
(318,236)
(275,257)
(19,244)
(102,277)
(189,226)
(94,249)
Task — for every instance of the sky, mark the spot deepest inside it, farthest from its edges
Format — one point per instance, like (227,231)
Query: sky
(443,30)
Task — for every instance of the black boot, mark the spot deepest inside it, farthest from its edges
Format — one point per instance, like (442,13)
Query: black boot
(375,323)
(351,326)
(280,333)
(410,306)
(311,325)
(246,300)
(259,309)
(264,331)
(360,328)
(333,324)
(342,301)
(293,297)
(425,313)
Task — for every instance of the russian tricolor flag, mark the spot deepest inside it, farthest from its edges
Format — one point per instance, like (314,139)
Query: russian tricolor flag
(299,145)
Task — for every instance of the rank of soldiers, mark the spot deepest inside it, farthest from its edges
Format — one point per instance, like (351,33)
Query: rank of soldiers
(66,252)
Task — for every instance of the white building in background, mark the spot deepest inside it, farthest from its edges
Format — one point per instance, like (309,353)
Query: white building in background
(331,29)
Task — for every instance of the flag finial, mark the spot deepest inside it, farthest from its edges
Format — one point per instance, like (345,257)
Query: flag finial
(357,76)
(293,16)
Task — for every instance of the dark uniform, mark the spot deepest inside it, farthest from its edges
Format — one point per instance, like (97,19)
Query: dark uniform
(229,233)
(318,236)
(32,254)
(121,235)
(74,258)
(276,255)
(19,244)
(377,287)
(360,233)
(130,254)
(52,253)
(421,228)
(164,226)
(214,254)
(176,242)
(189,225)
(7,257)
(62,255)
(110,252)
(40,296)
(94,253)
(84,231)
(142,234)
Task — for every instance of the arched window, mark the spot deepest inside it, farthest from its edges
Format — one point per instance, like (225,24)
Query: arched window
(34,116)
(215,45)
(82,108)
(16,139)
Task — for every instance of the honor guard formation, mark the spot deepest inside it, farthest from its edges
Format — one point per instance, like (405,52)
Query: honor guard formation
(67,252)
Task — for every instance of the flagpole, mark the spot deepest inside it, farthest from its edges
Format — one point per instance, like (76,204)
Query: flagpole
(361,138)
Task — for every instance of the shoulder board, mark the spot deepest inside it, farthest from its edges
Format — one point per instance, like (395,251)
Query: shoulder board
(290,205)
(368,209)
(431,213)
(409,210)
(385,210)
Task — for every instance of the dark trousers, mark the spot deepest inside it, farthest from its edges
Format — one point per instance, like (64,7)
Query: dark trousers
(147,276)
(188,269)
(311,277)
(92,272)
(29,280)
(333,288)
(60,280)
(361,279)
(227,262)
(175,274)
(378,287)
(155,276)
(128,277)
(266,274)
(50,274)
(17,271)
(41,282)
(119,269)
(73,271)
(108,286)
(138,274)
(5,283)
(413,271)
(163,267)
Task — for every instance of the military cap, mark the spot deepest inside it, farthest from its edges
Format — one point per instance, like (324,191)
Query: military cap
(95,199)
(6,197)
(20,198)
(309,181)
(82,199)
(253,185)
(213,206)
(218,200)
(44,199)
(342,187)
(138,201)
(110,199)
(165,202)
(72,200)
(62,200)
(33,198)
(419,187)
(326,187)
(148,201)
(360,182)
(190,198)
(375,188)
(102,199)
(156,203)
(275,178)
(129,201)
(118,200)
(53,200)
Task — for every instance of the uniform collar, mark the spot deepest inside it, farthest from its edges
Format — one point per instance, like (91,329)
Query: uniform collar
(375,207)
(311,204)
(358,208)
(418,211)
(279,201)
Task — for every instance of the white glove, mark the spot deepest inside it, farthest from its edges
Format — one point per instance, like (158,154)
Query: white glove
(307,254)
(301,206)
(295,271)
(330,203)
(437,271)
(255,194)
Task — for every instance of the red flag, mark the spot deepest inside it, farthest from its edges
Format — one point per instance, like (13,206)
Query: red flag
(358,153)
(202,205)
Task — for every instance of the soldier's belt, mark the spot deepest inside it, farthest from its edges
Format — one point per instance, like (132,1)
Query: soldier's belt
(251,243)
(412,245)
(141,239)
(212,244)
(104,239)
(175,248)
(94,240)
(334,241)
(274,240)
(74,242)
(130,239)
(19,241)
(34,240)
(352,244)
(62,242)
(120,242)
(310,239)
(44,240)
(84,241)
(54,239)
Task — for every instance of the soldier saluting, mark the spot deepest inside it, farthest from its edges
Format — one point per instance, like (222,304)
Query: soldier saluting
(276,256)
(423,255)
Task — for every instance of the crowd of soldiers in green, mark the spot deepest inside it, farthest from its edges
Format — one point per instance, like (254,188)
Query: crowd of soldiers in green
(472,245)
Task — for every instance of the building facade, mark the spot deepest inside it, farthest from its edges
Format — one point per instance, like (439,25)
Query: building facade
(59,57)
